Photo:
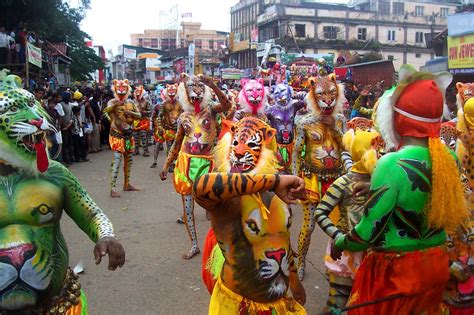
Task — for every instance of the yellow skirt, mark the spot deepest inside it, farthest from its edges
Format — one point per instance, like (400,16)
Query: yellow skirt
(226,302)
(188,168)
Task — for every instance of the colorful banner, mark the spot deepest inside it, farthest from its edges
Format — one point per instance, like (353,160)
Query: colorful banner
(461,52)
(34,55)
(129,53)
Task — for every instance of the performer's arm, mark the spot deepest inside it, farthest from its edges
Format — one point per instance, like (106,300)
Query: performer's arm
(378,208)
(297,289)
(135,113)
(224,103)
(214,188)
(82,209)
(296,156)
(330,200)
(174,151)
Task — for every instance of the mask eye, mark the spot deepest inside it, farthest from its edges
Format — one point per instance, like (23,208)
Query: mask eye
(235,143)
(449,244)
(252,225)
(252,145)
(13,109)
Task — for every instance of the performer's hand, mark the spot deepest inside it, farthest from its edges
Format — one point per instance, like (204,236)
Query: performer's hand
(297,289)
(328,120)
(290,189)
(336,253)
(164,174)
(205,79)
(361,188)
(109,245)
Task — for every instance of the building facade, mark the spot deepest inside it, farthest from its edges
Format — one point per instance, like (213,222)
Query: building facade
(190,32)
(394,28)
(244,33)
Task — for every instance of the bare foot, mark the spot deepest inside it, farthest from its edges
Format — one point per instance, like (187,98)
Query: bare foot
(130,188)
(114,194)
(180,220)
(153,165)
(208,216)
(192,252)
(146,154)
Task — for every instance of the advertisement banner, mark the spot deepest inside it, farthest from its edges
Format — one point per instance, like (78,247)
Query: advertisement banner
(153,64)
(129,53)
(461,52)
(34,55)
(461,24)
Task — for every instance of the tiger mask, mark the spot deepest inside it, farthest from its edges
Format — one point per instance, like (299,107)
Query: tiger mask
(23,127)
(465,92)
(193,95)
(121,89)
(325,96)
(168,94)
(246,147)
(139,92)
(253,96)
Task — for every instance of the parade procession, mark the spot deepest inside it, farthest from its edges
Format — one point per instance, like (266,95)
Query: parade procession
(274,169)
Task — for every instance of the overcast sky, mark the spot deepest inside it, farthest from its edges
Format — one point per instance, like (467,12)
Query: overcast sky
(110,22)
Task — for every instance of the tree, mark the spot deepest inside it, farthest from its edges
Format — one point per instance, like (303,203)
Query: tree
(55,21)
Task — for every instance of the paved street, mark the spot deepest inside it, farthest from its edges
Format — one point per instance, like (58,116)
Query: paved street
(155,279)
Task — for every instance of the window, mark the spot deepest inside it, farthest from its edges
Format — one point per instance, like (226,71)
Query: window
(390,57)
(362,34)
(391,35)
(419,10)
(211,44)
(398,8)
(419,37)
(154,43)
(198,43)
(417,55)
(330,32)
(300,30)
(140,42)
(384,7)
(444,12)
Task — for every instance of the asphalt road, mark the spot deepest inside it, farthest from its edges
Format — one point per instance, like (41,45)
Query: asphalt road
(155,279)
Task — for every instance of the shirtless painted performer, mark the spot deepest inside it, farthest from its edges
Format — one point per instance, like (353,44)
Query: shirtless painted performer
(195,139)
(142,125)
(416,195)
(281,116)
(251,222)
(34,191)
(320,133)
(121,112)
(165,121)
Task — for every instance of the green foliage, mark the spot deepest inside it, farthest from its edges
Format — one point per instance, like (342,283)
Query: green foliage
(55,21)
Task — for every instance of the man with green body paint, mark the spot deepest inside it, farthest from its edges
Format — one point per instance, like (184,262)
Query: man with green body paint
(34,273)
(415,194)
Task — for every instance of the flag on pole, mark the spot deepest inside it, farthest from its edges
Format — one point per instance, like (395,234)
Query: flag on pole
(34,55)
(186,15)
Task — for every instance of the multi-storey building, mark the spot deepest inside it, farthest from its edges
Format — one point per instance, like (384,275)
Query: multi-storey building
(244,33)
(191,32)
(394,28)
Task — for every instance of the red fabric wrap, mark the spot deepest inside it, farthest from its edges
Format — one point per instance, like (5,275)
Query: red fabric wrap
(423,99)
(420,276)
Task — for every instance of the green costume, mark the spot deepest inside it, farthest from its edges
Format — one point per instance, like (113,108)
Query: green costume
(393,219)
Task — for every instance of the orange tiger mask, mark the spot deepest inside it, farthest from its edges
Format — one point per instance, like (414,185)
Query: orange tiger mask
(121,89)
(325,95)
